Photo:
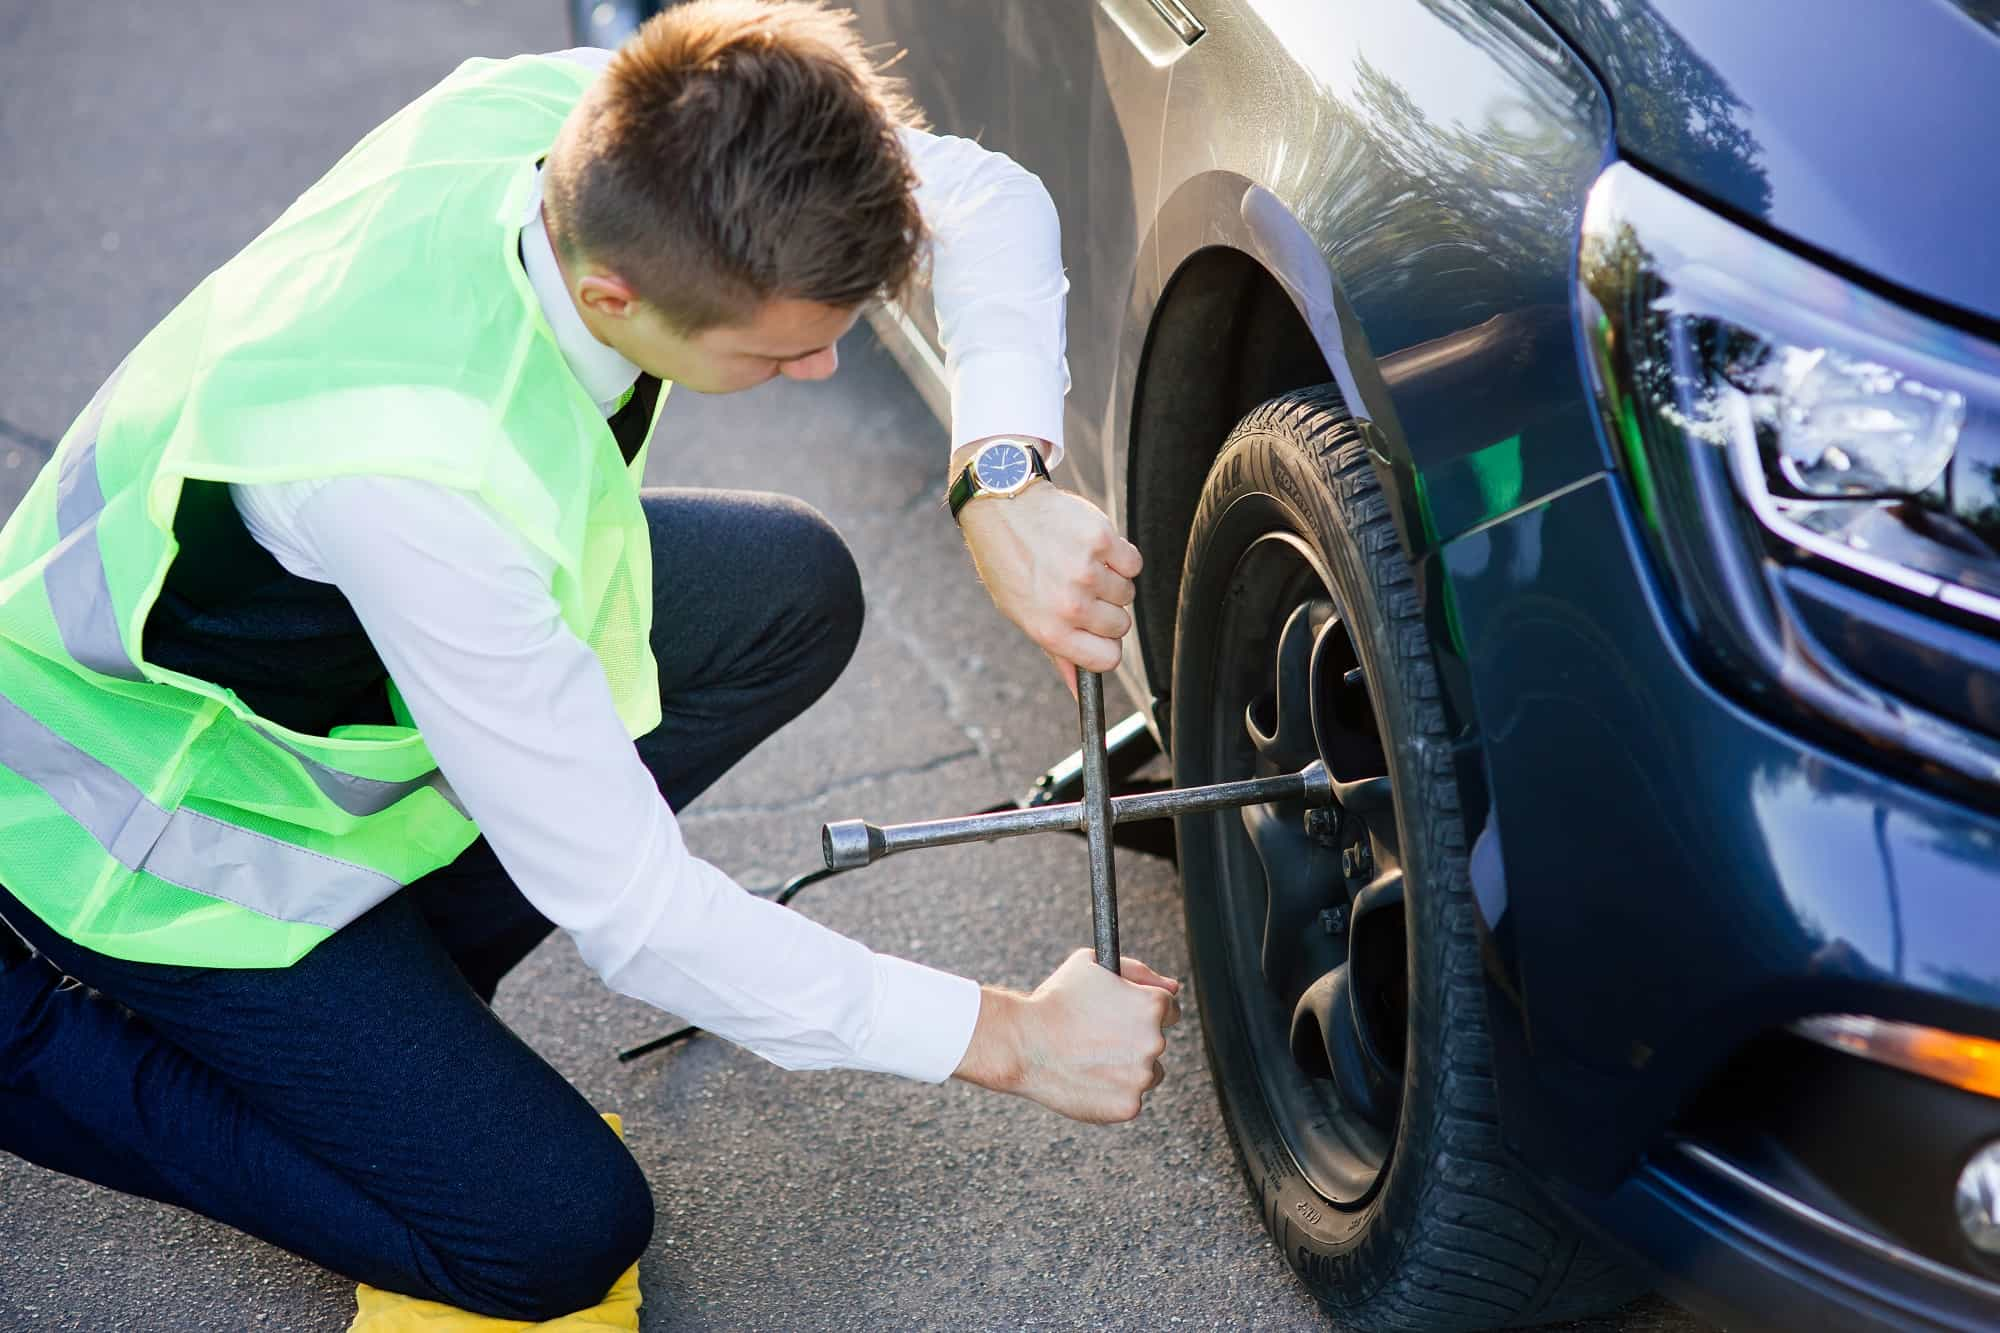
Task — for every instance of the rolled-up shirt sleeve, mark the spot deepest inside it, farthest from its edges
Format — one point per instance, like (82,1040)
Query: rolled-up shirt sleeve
(998,286)
(518,714)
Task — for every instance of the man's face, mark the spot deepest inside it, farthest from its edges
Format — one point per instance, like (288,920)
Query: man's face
(795,339)
(785,337)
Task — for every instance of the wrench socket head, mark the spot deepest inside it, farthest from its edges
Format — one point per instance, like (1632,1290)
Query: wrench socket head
(849,844)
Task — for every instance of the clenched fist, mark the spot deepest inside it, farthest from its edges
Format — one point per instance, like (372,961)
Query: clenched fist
(1086,1043)
(1058,569)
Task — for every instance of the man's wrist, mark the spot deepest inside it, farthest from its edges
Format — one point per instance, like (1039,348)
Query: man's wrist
(995,1058)
(964,484)
(965,453)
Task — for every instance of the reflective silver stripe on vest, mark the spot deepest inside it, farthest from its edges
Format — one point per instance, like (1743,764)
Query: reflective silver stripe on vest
(78,591)
(355,795)
(80,597)
(78,495)
(442,786)
(198,852)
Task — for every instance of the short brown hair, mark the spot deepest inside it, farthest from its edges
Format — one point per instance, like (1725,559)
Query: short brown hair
(737,151)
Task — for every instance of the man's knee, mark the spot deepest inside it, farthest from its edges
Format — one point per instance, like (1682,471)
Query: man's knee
(750,589)
(568,1242)
(826,590)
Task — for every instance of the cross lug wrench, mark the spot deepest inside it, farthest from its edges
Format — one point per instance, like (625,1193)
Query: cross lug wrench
(850,844)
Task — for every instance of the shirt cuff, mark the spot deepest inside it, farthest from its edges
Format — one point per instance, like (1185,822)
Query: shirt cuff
(923,1021)
(1000,393)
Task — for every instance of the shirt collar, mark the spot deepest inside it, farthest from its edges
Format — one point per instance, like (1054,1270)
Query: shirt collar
(604,373)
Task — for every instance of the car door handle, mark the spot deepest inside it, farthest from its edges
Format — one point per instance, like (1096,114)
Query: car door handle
(1180,19)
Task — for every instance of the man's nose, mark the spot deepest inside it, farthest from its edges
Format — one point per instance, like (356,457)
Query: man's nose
(815,367)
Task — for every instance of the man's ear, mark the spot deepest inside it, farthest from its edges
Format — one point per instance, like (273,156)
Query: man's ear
(608,295)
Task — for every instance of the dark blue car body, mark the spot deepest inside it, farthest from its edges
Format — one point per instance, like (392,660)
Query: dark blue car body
(1685,873)
(1682,845)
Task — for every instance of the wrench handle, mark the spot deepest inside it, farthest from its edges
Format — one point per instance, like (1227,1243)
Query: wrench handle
(1097,818)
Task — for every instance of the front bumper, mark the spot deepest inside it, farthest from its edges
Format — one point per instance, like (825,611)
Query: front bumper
(1665,878)
(1723,1242)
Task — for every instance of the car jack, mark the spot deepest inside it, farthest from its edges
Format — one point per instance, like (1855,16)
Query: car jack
(1129,746)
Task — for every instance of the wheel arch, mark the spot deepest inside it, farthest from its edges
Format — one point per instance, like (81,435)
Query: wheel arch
(1234,304)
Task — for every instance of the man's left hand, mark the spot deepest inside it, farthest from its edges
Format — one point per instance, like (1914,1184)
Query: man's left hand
(1057,568)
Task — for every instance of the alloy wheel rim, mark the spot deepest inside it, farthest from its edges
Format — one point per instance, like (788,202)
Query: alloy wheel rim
(1311,902)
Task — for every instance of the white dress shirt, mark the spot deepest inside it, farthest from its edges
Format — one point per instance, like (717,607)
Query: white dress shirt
(518,714)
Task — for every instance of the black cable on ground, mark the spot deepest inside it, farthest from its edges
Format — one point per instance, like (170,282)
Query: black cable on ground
(1128,836)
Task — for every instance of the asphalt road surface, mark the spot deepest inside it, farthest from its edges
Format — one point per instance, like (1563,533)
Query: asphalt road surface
(141,146)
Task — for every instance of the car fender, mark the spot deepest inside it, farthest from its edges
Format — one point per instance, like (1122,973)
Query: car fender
(1422,232)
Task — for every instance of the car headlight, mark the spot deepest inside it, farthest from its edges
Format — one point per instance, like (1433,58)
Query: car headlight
(1817,470)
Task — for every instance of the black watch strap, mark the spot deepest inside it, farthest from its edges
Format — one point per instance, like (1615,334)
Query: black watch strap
(966,484)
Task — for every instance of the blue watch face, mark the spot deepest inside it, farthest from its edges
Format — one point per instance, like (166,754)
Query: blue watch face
(1001,467)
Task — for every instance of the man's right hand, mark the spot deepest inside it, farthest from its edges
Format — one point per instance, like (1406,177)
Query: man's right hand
(1057,568)
(1086,1043)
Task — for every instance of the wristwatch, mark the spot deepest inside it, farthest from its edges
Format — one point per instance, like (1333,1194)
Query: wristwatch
(1004,466)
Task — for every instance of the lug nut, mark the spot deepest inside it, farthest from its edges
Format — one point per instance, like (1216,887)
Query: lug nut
(1322,825)
(1979,1200)
(1333,920)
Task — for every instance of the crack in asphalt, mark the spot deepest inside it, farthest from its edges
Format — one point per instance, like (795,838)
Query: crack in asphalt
(923,500)
(23,436)
(926,503)
(946,681)
(819,796)
(940,675)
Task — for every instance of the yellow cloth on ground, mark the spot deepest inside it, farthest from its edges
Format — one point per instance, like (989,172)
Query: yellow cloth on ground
(379,1311)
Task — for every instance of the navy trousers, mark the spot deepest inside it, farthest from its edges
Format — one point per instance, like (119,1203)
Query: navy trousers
(364,1107)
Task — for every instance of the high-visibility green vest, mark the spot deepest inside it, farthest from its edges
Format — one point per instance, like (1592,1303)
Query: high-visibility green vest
(382,325)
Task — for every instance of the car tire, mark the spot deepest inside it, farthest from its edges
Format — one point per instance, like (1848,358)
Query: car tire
(1373,1152)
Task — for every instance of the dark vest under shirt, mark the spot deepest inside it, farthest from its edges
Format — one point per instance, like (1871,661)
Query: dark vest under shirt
(290,647)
